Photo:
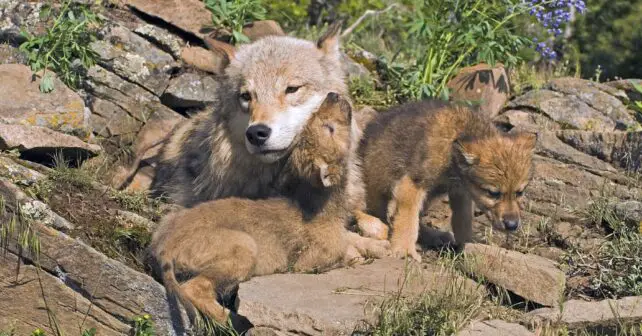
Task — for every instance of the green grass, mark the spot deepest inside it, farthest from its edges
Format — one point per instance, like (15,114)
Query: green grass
(65,47)
(231,16)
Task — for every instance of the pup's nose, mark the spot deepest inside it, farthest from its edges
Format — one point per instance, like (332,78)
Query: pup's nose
(511,224)
(258,134)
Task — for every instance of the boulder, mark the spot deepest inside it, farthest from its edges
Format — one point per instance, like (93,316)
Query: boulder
(260,29)
(569,111)
(162,38)
(578,314)
(201,59)
(621,148)
(22,102)
(630,212)
(23,305)
(532,277)
(494,328)
(603,98)
(482,84)
(352,69)
(333,303)
(134,58)
(190,90)
(18,15)
(40,142)
(549,145)
(188,15)
(627,86)
(11,55)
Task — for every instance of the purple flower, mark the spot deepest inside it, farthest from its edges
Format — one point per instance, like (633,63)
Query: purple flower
(552,15)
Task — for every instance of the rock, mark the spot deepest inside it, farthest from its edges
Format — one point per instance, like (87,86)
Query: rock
(484,84)
(112,287)
(188,15)
(579,314)
(630,212)
(622,148)
(201,58)
(22,102)
(17,15)
(134,58)
(9,55)
(603,98)
(569,111)
(162,38)
(31,208)
(40,141)
(530,122)
(626,85)
(17,173)
(23,308)
(190,90)
(550,146)
(121,108)
(267,332)
(332,303)
(494,328)
(260,29)
(532,277)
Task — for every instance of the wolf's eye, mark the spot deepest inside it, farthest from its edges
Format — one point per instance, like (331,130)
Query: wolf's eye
(292,89)
(494,194)
(329,127)
(245,96)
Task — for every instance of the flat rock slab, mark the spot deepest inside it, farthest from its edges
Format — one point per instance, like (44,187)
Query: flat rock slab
(532,277)
(190,90)
(549,145)
(22,305)
(583,314)
(622,148)
(188,15)
(333,303)
(22,102)
(44,141)
(495,328)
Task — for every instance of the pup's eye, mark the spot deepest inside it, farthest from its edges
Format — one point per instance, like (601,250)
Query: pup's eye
(519,193)
(329,127)
(245,96)
(292,89)
(494,194)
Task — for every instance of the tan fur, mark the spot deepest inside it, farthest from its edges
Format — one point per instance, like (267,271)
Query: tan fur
(223,242)
(418,151)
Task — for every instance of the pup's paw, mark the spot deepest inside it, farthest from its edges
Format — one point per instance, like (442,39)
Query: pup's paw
(369,247)
(403,250)
(353,256)
(372,227)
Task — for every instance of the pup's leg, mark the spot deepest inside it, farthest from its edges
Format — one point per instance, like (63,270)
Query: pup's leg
(408,198)
(327,244)
(368,247)
(371,226)
(461,220)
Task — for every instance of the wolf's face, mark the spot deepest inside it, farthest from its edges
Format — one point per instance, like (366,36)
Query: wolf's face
(497,171)
(280,82)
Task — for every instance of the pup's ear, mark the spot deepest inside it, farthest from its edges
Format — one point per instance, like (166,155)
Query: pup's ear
(329,41)
(464,156)
(224,51)
(335,107)
(528,140)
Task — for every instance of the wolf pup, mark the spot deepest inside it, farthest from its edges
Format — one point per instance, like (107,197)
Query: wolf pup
(223,242)
(418,151)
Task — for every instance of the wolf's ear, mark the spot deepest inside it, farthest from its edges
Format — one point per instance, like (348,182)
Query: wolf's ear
(223,50)
(463,155)
(329,41)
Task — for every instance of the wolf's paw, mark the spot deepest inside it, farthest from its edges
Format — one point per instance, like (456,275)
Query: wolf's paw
(369,247)
(400,250)
(372,227)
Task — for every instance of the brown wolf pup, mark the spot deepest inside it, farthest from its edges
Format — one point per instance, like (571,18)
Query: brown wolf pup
(223,242)
(417,151)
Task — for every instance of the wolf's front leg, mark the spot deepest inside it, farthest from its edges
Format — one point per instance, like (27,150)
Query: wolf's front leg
(408,198)
(461,219)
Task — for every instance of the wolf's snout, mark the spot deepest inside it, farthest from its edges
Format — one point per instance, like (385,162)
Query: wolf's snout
(511,223)
(257,135)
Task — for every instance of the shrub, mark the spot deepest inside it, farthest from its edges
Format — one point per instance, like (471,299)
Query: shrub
(233,15)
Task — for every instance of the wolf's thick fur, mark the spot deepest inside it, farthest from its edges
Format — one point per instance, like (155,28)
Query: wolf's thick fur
(415,152)
(223,242)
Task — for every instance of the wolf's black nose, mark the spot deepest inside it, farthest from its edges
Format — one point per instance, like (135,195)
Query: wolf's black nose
(511,224)
(258,134)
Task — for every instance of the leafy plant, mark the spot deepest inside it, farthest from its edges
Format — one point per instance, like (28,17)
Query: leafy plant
(65,47)
(233,15)
(143,326)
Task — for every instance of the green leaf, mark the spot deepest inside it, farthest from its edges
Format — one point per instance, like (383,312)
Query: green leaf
(47,84)
(45,12)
